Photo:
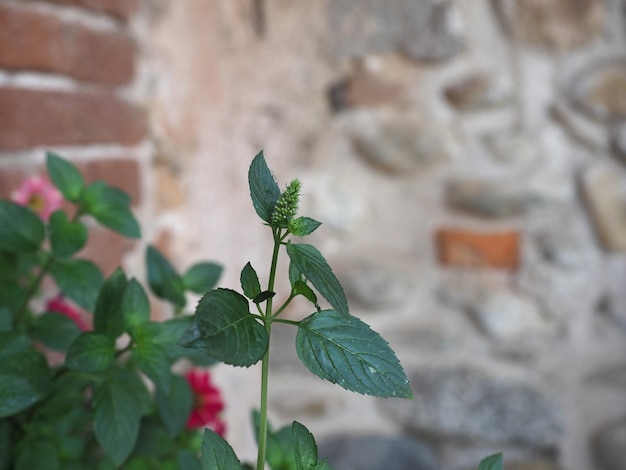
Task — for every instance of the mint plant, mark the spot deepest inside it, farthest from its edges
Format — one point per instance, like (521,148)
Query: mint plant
(95,388)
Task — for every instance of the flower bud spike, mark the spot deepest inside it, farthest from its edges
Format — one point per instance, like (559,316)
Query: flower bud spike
(287,205)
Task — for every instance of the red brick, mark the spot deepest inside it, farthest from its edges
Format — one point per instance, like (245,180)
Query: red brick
(121,9)
(32,118)
(465,248)
(43,42)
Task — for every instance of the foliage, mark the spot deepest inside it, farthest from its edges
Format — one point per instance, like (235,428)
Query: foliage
(112,401)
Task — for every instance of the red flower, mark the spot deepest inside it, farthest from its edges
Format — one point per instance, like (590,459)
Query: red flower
(207,402)
(40,195)
(62,306)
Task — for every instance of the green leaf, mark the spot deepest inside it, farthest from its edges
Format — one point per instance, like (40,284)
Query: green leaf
(66,238)
(187,460)
(20,228)
(263,188)
(175,406)
(163,279)
(110,207)
(202,277)
(12,343)
(347,352)
(493,462)
(24,380)
(5,444)
(65,177)
(153,441)
(224,329)
(263,296)
(116,420)
(217,454)
(78,279)
(153,362)
(135,305)
(303,226)
(279,453)
(39,454)
(91,352)
(303,289)
(55,330)
(304,446)
(6,320)
(135,385)
(250,281)
(310,262)
(108,316)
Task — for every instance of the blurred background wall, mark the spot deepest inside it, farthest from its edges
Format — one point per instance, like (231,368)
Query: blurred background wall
(466,159)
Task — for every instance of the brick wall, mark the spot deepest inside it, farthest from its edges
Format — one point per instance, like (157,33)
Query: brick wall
(67,70)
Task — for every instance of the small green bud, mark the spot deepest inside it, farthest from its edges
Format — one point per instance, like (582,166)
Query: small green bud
(287,205)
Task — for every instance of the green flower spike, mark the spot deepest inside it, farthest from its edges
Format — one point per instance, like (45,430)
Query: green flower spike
(287,205)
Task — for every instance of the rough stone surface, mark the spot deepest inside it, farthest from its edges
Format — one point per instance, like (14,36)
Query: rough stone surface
(398,143)
(376,285)
(468,404)
(121,9)
(618,140)
(598,89)
(491,199)
(33,118)
(426,31)
(608,446)
(478,91)
(42,42)
(604,193)
(368,452)
(560,24)
(467,248)
(513,147)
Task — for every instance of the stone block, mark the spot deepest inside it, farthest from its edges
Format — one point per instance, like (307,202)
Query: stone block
(32,118)
(42,42)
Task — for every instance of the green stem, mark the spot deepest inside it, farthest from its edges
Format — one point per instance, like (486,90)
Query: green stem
(33,288)
(260,464)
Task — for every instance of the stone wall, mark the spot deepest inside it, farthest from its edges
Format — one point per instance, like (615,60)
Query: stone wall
(466,160)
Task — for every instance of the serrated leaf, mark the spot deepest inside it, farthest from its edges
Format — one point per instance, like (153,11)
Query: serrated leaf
(90,352)
(55,331)
(310,262)
(78,279)
(135,305)
(163,279)
(493,462)
(303,226)
(224,329)
(110,207)
(217,454)
(39,454)
(349,353)
(263,188)
(153,362)
(175,406)
(202,277)
(116,420)
(65,177)
(304,447)
(108,316)
(20,228)
(66,238)
(250,281)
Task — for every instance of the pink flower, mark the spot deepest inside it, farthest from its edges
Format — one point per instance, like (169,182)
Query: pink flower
(40,195)
(207,402)
(63,307)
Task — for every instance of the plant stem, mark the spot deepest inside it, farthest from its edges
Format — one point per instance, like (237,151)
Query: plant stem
(33,288)
(260,464)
